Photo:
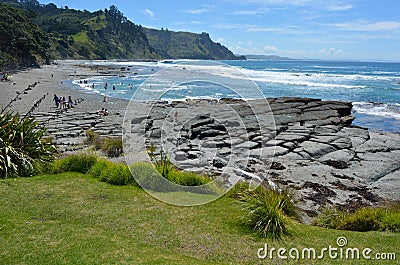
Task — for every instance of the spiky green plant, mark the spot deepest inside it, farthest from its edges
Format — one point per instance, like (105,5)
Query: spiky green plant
(21,145)
(268,211)
(162,164)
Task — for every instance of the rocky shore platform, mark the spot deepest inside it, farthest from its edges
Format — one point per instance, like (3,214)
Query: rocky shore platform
(306,144)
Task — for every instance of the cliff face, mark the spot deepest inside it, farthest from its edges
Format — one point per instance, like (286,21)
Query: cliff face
(186,45)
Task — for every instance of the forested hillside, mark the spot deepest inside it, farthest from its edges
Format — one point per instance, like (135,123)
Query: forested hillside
(22,42)
(100,35)
(32,32)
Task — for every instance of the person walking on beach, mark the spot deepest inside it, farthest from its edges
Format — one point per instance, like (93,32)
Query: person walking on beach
(63,103)
(60,102)
(70,102)
(56,100)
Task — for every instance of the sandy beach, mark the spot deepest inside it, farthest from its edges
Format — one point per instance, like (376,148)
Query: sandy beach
(51,80)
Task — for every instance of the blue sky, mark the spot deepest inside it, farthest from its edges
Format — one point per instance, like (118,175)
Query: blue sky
(320,29)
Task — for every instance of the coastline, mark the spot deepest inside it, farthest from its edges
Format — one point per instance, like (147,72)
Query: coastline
(372,175)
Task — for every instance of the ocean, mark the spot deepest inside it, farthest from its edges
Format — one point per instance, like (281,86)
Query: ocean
(372,87)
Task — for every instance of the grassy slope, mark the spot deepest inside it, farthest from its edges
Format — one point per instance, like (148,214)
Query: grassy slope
(73,219)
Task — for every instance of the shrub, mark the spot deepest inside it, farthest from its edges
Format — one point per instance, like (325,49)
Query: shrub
(99,167)
(81,163)
(268,211)
(186,178)
(362,220)
(112,173)
(21,145)
(391,220)
(143,171)
(192,179)
(330,217)
(94,139)
(112,146)
(117,174)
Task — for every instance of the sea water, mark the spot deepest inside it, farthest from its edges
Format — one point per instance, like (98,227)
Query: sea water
(372,87)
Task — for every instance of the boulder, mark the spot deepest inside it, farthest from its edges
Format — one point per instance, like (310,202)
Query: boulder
(315,149)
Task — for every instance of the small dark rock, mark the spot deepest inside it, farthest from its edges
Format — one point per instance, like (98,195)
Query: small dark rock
(337,164)
(277,166)
(219,162)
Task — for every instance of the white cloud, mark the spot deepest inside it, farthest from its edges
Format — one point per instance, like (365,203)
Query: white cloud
(198,11)
(227,26)
(283,2)
(251,12)
(295,30)
(193,22)
(262,29)
(363,25)
(310,15)
(149,13)
(271,49)
(249,27)
(331,51)
(339,7)
(239,49)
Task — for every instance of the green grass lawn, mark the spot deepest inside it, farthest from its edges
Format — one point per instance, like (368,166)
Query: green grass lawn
(71,218)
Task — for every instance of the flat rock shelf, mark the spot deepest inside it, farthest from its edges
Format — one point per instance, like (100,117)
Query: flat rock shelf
(309,145)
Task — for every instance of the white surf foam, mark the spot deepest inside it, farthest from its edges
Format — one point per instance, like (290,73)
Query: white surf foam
(389,110)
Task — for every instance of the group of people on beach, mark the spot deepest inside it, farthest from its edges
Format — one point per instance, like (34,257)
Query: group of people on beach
(102,112)
(61,102)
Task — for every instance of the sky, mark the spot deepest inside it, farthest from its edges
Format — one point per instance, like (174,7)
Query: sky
(301,29)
